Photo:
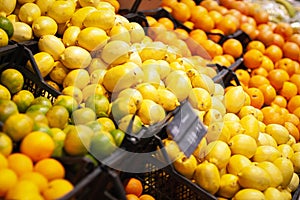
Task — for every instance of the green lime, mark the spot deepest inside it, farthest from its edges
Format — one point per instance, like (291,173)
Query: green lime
(42,101)
(99,103)
(83,116)
(68,102)
(118,136)
(23,99)
(13,80)
(38,126)
(95,126)
(102,145)
(40,108)
(7,26)
(7,108)
(4,93)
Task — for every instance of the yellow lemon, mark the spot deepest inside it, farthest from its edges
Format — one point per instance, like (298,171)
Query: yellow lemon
(122,106)
(229,185)
(249,193)
(75,57)
(211,116)
(29,12)
(22,32)
(104,19)
(151,112)
(96,63)
(84,3)
(44,25)
(119,32)
(132,93)
(115,52)
(200,99)
(295,159)
(136,31)
(7,7)
(79,16)
(69,37)
(272,193)
(3,38)
(278,132)
(199,153)
(231,117)
(77,77)
(124,122)
(92,38)
(52,45)
(97,76)
(273,171)
(237,163)
(285,150)
(104,5)
(44,5)
(93,89)
(148,91)
(74,92)
(243,144)
(44,61)
(234,128)
(266,153)
(285,165)
(153,50)
(296,147)
(266,139)
(293,185)
(217,104)
(230,99)
(167,99)
(251,126)
(61,11)
(218,152)
(37,178)
(59,72)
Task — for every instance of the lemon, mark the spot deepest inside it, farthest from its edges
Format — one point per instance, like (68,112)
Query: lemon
(286,194)
(285,165)
(218,153)
(211,116)
(44,61)
(134,56)
(254,177)
(148,91)
(272,193)
(266,153)
(59,72)
(52,45)
(7,26)
(97,76)
(167,99)
(122,76)
(273,171)
(200,99)
(22,32)
(77,77)
(199,153)
(3,38)
(249,193)
(23,99)
(296,161)
(151,112)
(122,20)
(172,149)
(79,16)
(61,11)
(231,117)
(229,185)
(74,92)
(96,63)
(75,57)
(285,150)
(13,18)
(6,145)
(237,163)
(214,131)
(84,3)
(133,94)
(7,7)
(4,93)
(154,50)
(248,110)
(217,104)
(176,66)
(104,19)
(201,80)
(293,185)
(44,5)
(115,52)
(105,5)
(296,147)
(230,99)
(278,132)
(136,31)
(243,144)
(69,37)
(57,188)
(122,106)
(44,25)
(119,32)
(124,122)
(93,89)
(13,80)
(207,176)
(266,139)
(251,126)
(92,38)
(29,12)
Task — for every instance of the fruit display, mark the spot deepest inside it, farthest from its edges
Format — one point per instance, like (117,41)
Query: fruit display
(112,77)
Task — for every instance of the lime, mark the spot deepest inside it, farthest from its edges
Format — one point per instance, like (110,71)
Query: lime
(95,126)
(7,26)
(4,93)
(99,103)
(13,80)
(68,102)
(38,117)
(38,108)
(58,116)
(42,101)
(7,108)
(23,99)
(83,116)
(125,121)
(102,145)
(118,136)
(3,38)
(107,123)
(38,126)
(6,145)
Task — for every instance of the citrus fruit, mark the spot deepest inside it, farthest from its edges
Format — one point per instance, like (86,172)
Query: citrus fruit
(4,92)
(57,188)
(237,163)
(151,112)
(103,19)
(102,145)
(57,116)
(12,79)
(22,32)
(52,45)
(17,126)
(70,35)
(8,179)
(243,144)
(7,7)
(92,38)
(7,26)
(99,104)
(44,61)
(118,136)
(83,115)
(50,168)
(75,57)
(229,185)
(120,32)
(6,145)
(115,56)
(131,197)
(213,153)
(248,193)
(74,92)
(66,101)
(29,12)
(146,197)
(24,189)
(37,178)
(23,99)
(20,163)
(133,186)
(37,145)
(73,77)
(124,122)
(266,153)
(61,11)
(285,165)
(230,95)
(44,25)
(278,132)
(122,106)
(7,108)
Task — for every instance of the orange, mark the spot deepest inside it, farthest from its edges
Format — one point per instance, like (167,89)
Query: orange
(269,93)
(169,3)
(217,36)
(221,60)
(181,12)
(294,38)
(198,36)
(256,97)
(8,178)
(291,50)
(20,163)
(277,77)
(274,53)
(261,17)
(280,101)
(235,18)
(233,47)
(265,36)
(286,64)
(151,20)
(38,179)
(293,103)
(6,145)
(271,116)
(212,48)
(259,71)
(37,145)
(166,22)
(181,33)
(284,29)
(250,29)
(227,25)
(209,5)
(288,90)
(57,188)
(258,80)
(295,78)
(221,9)
(50,168)
(230,58)
(255,44)
(197,11)
(190,3)
(293,130)
(189,24)
(243,76)
(278,40)
(24,189)
(3,162)
(290,117)
(132,197)
(253,58)
(133,186)
(216,16)
(204,22)
(240,6)
(267,63)
(146,197)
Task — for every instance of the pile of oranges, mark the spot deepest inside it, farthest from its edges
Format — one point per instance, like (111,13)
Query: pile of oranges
(134,190)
